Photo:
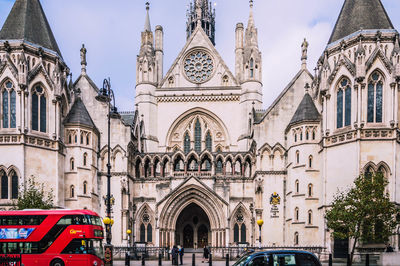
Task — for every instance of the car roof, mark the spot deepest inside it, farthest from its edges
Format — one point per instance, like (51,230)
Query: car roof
(282,252)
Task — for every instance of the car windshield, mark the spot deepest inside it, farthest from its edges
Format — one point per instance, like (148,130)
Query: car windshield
(95,247)
(242,260)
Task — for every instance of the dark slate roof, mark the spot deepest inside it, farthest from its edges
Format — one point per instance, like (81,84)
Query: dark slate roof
(306,111)
(128,117)
(360,14)
(79,115)
(28,22)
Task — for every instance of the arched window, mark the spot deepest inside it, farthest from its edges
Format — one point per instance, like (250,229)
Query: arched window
(313,135)
(343,105)
(219,167)
(4,185)
(243,233)
(72,164)
(186,143)
(251,68)
(39,109)
(236,233)
(301,135)
(82,137)
(87,138)
(84,187)
(137,169)
(9,105)
(296,238)
(142,233)
(149,233)
(72,191)
(76,137)
(297,186)
(309,217)
(375,98)
(84,159)
(307,135)
(310,190)
(310,158)
(295,137)
(147,168)
(297,157)
(171,81)
(69,138)
(197,136)
(208,141)
(296,214)
(14,185)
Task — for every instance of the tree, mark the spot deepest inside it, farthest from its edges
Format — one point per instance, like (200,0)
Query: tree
(33,196)
(363,213)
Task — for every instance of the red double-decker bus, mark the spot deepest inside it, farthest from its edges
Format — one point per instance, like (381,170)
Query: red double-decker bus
(51,237)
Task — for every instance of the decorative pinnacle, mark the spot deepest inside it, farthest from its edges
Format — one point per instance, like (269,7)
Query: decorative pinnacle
(251,3)
(147,5)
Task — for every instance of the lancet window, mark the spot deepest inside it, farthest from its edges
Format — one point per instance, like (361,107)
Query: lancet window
(375,98)
(39,109)
(9,105)
(343,104)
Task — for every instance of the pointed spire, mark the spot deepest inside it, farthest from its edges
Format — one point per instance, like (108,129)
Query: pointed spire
(147,26)
(360,14)
(304,51)
(251,31)
(201,14)
(251,16)
(27,22)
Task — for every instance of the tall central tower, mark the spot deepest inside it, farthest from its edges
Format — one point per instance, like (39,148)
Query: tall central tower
(201,11)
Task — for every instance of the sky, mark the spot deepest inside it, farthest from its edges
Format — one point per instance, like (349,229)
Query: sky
(110,30)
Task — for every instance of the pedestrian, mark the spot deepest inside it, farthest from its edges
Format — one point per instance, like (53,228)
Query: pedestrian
(206,252)
(174,254)
(181,251)
(389,248)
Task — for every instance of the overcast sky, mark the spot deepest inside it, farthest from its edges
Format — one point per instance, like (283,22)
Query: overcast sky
(110,30)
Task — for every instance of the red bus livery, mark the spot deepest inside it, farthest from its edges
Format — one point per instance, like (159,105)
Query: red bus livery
(51,237)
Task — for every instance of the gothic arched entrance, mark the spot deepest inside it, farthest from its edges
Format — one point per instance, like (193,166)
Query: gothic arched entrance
(195,205)
(192,227)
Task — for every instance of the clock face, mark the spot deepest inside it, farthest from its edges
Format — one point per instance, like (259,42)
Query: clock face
(198,66)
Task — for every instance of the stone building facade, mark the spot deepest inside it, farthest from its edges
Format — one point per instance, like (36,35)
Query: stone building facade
(199,161)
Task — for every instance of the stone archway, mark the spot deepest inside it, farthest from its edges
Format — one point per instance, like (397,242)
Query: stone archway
(192,228)
(209,206)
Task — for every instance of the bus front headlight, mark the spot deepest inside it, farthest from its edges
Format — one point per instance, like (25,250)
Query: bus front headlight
(95,263)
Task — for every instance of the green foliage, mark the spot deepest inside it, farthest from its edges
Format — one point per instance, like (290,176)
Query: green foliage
(33,196)
(364,212)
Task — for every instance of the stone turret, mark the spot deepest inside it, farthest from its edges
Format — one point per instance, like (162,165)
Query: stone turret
(249,69)
(148,75)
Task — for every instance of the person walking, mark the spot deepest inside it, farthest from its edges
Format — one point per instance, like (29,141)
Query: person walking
(206,252)
(181,252)
(174,254)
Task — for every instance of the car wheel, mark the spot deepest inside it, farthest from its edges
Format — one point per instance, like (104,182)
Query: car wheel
(57,262)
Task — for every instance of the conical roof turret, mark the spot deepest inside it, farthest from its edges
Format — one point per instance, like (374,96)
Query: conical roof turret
(360,15)
(27,22)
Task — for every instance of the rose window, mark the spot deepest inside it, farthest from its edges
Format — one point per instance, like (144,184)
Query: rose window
(198,66)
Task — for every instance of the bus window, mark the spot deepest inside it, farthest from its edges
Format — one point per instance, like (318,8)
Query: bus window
(3,248)
(66,220)
(12,248)
(76,246)
(28,248)
(96,220)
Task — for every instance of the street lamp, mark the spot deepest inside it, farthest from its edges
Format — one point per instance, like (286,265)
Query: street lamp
(260,223)
(108,94)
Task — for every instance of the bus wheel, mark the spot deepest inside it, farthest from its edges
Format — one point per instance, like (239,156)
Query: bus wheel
(57,262)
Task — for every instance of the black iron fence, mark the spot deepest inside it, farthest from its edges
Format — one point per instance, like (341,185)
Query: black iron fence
(139,252)
(6,260)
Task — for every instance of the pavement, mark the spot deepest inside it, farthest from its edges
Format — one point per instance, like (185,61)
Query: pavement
(187,261)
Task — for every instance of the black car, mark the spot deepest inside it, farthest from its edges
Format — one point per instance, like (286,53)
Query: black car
(278,258)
